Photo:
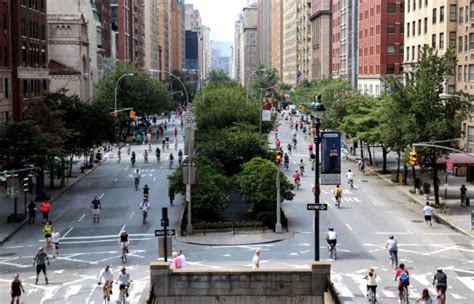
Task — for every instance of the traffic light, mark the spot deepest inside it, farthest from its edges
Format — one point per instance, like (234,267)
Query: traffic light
(132,115)
(27,185)
(412,158)
(114,113)
(278,157)
(301,108)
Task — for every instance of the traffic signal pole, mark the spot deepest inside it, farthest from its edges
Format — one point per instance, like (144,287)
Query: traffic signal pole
(278,228)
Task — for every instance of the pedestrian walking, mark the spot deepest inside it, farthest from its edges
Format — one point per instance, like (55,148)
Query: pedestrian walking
(96,206)
(128,148)
(32,212)
(45,209)
(16,288)
(463,190)
(48,230)
(148,138)
(256,260)
(119,154)
(171,195)
(55,236)
(40,260)
(428,212)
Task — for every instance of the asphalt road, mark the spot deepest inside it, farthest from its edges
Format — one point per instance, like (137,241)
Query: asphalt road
(369,213)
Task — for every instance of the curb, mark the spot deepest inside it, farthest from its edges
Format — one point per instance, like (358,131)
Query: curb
(291,234)
(440,218)
(56,197)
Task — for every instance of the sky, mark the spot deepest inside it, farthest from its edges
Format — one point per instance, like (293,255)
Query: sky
(219,16)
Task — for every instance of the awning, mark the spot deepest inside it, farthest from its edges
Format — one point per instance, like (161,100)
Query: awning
(457,158)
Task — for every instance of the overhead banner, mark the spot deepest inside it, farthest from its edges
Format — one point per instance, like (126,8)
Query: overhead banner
(266,115)
(331,158)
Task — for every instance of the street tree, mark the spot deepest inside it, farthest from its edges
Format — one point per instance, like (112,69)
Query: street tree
(256,184)
(431,118)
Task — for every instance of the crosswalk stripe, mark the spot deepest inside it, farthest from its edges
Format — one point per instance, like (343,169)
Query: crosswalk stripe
(468,281)
(72,291)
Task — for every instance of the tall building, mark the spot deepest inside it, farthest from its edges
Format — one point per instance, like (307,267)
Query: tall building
(128,30)
(74,39)
(380,42)
(105,13)
(177,50)
(248,45)
(164,29)
(296,40)
(206,51)
(236,73)
(321,24)
(5,64)
(28,54)
(264,28)
(277,36)
(152,34)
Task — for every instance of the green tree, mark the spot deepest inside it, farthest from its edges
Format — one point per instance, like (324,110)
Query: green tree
(210,194)
(256,183)
(433,119)
(219,76)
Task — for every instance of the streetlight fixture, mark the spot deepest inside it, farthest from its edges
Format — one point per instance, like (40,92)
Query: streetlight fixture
(248,80)
(153,71)
(317,110)
(116,89)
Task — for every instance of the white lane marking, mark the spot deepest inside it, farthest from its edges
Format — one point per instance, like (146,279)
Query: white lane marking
(72,291)
(409,232)
(93,287)
(349,227)
(126,168)
(138,289)
(67,232)
(388,293)
(422,279)
(457,297)
(154,178)
(329,205)
(468,281)
(343,289)
(116,180)
(81,218)
(102,195)
(88,237)
(59,271)
(374,203)
(49,294)
(123,228)
(131,215)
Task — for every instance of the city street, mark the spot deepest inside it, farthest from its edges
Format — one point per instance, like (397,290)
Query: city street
(368,215)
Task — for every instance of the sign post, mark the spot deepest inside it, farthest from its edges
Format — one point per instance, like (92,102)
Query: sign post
(164,224)
(189,125)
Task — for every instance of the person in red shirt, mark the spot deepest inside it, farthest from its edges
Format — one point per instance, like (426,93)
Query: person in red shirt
(310,148)
(278,143)
(45,208)
(403,277)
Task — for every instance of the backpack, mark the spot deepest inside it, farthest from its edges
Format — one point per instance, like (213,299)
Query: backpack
(404,277)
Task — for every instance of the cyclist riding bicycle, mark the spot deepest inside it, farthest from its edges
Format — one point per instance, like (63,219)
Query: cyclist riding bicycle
(132,158)
(137,177)
(146,192)
(296,178)
(124,279)
(289,148)
(440,282)
(331,238)
(337,191)
(286,160)
(403,277)
(107,275)
(158,154)
(301,164)
(124,241)
(371,278)
(392,246)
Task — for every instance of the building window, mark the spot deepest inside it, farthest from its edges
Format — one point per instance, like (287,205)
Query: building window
(408,53)
(408,29)
(419,27)
(460,44)
(5,56)
(425,28)
(402,8)
(413,53)
(402,49)
(452,40)
(418,53)
(466,40)
(471,72)
(471,10)
(408,5)
(413,27)
(461,14)
(433,41)
(441,14)
(390,49)
(402,28)
(452,12)
(391,28)
(434,16)
(391,8)
(471,41)
(459,72)
(390,69)
(441,41)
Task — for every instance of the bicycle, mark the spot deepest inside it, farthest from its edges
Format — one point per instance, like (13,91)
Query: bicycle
(394,260)
(123,294)
(137,184)
(338,201)
(124,253)
(404,295)
(144,214)
(302,171)
(332,251)
(107,291)
(371,296)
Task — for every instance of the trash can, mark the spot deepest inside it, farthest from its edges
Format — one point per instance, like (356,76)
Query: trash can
(417,183)
(468,201)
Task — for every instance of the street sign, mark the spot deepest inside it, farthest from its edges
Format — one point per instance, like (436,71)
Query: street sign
(161,232)
(189,121)
(317,207)
(449,167)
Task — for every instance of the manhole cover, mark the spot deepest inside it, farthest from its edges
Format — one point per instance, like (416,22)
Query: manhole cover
(364,180)
(417,221)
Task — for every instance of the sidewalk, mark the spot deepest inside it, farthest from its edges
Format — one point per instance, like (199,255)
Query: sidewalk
(229,239)
(458,218)
(7,230)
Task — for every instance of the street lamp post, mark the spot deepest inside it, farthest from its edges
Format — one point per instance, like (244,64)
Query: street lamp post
(317,110)
(116,89)
(248,80)
(175,77)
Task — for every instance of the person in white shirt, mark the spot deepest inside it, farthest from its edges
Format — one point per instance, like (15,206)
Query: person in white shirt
(108,275)
(182,257)
(428,212)
(55,236)
(350,178)
(256,260)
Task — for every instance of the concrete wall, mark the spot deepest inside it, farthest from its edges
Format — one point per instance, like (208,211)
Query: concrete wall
(262,286)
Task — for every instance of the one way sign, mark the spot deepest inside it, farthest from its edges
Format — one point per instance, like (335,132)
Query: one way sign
(321,207)
(170,232)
